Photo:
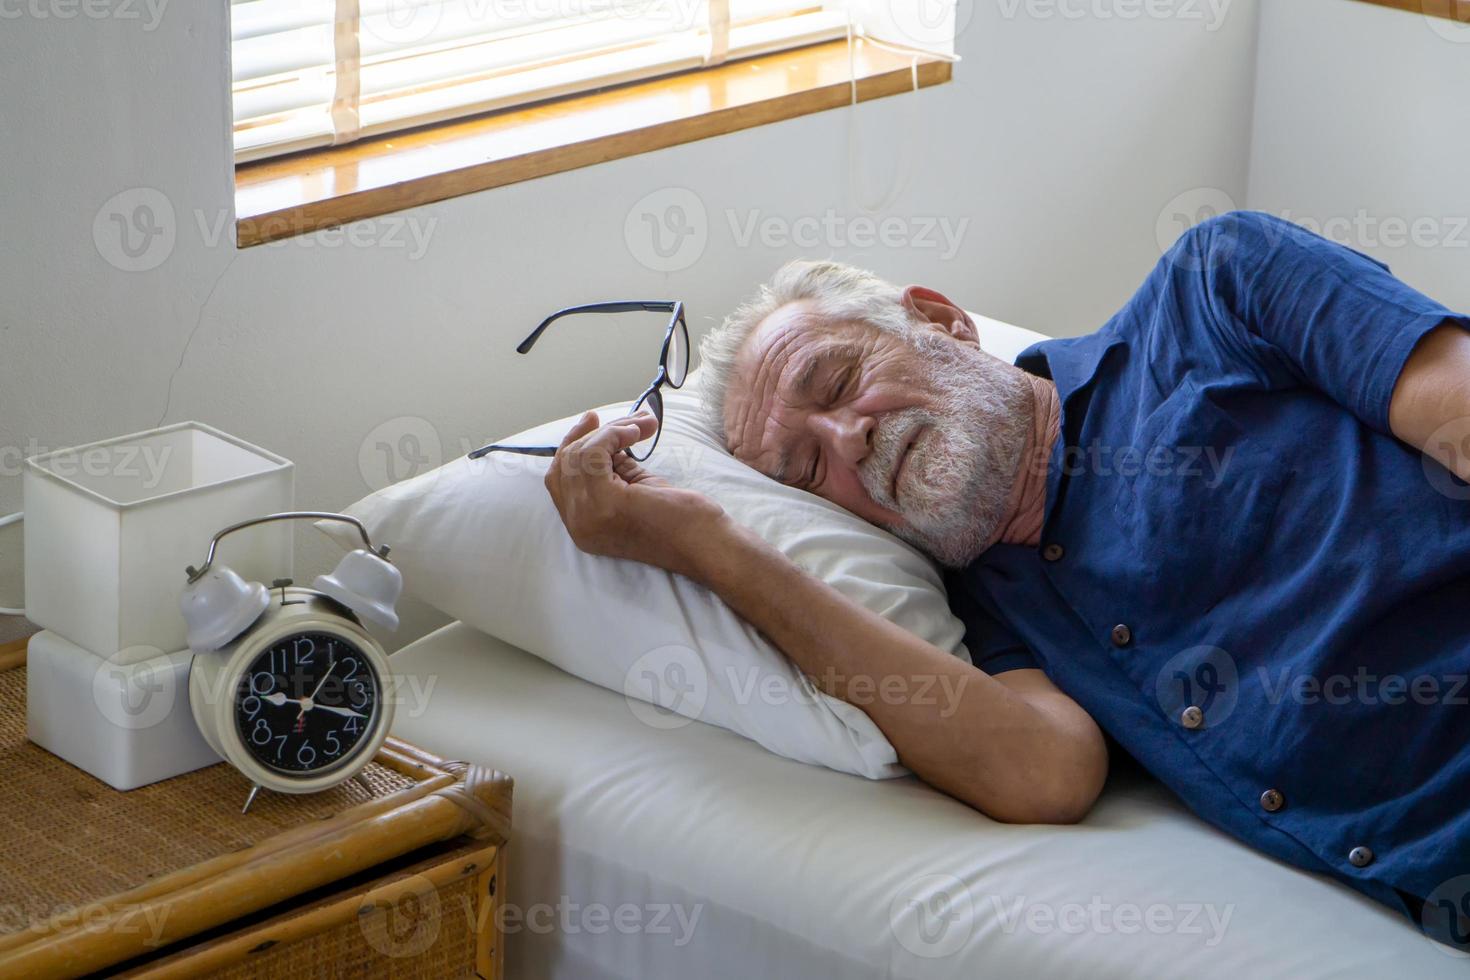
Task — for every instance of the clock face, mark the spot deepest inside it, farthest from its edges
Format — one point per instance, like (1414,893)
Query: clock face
(305,703)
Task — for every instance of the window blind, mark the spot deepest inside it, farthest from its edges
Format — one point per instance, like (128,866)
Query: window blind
(309,73)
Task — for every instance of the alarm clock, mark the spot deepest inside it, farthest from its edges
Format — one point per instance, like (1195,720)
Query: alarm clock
(285,683)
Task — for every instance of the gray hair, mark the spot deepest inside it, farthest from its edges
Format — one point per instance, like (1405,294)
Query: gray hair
(833,291)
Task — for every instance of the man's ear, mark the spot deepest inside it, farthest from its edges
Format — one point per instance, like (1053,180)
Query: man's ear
(934,308)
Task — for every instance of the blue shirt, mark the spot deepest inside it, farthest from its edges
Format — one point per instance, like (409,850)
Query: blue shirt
(1248,582)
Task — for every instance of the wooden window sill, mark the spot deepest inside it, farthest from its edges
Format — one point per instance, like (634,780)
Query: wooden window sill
(310,191)
(1450,9)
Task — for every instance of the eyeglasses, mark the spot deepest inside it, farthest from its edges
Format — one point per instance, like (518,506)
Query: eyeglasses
(673,367)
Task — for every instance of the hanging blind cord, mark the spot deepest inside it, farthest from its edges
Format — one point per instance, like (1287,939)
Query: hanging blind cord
(347,72)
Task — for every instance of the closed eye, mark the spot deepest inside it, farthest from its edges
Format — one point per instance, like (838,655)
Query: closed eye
(808,478)
(843,387)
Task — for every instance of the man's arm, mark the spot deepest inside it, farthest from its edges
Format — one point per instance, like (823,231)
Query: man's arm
(1430,409)
(1332,318)
(1012,746)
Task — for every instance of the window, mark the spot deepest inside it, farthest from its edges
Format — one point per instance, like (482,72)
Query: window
(310,73)
(518,89)
(1452,9)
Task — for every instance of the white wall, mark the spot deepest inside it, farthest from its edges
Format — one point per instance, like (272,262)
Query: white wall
(1059,142)
(1362,127)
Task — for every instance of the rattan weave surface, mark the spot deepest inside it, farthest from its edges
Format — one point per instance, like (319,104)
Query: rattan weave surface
(68,839)
(438,945)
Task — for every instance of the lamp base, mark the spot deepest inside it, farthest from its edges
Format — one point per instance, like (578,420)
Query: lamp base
(127,723)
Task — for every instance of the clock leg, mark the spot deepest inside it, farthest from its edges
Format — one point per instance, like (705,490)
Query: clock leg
(254,791)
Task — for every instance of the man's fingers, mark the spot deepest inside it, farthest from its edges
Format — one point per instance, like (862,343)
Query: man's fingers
(629,468)
(584,425)
(588,451)
(619,434)
(646,421)
(555,473)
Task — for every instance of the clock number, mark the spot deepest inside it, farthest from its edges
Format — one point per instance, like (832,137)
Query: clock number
(325,695)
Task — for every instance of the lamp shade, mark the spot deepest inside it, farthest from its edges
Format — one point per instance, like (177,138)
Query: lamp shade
(111,525)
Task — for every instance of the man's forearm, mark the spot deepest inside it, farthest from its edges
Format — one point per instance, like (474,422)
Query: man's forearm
(1430,409)
(954,726)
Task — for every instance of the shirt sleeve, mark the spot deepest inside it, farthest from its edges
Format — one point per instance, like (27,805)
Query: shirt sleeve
(993,647)
(1338,319)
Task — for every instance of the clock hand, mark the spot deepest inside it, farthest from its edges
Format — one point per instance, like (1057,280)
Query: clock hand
(330,667)
(279,698)
(339,711)
(309,702)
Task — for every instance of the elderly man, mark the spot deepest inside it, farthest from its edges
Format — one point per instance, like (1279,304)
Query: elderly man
(1224,526)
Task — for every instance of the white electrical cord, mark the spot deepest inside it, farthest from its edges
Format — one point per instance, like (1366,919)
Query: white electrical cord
(904,169)
(5,522)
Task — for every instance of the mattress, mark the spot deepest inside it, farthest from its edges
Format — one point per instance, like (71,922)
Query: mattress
(648,846)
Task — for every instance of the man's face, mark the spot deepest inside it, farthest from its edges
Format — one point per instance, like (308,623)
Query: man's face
(921,435)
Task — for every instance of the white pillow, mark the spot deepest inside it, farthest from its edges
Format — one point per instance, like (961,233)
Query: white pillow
(481,541)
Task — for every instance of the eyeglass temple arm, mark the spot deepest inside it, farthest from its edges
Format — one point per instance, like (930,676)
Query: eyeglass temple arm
(522,450)
(545,450)
(623,306)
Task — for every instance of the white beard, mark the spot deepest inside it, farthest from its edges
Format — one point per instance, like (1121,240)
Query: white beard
(959,475)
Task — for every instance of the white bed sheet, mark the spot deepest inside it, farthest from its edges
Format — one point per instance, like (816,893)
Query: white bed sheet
(644,852)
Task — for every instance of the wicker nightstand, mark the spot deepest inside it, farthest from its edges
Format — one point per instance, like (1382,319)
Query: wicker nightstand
(398,873)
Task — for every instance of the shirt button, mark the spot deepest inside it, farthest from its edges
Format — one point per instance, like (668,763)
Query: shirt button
(1192,717)
(1360,857)
(1272,800)
(1053,552)
(1122,635)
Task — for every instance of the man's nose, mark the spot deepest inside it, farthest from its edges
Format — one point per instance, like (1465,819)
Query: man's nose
(847,433)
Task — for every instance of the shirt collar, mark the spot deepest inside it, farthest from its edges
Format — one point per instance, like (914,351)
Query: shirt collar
(1071,364)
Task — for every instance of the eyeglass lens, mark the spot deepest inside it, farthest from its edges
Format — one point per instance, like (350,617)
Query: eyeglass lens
(654,403)
(676,362)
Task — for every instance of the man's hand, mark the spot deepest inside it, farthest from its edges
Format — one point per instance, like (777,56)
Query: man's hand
(613,506)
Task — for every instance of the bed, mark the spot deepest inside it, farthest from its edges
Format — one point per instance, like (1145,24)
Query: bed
(647,851)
